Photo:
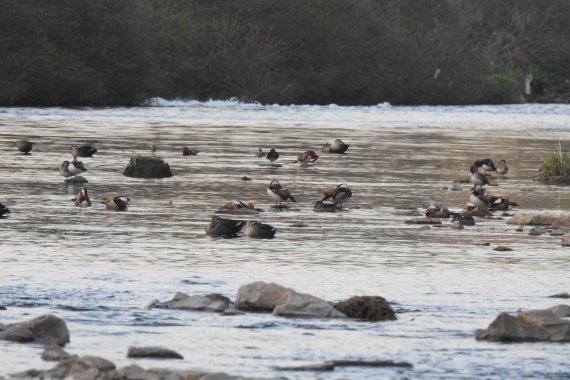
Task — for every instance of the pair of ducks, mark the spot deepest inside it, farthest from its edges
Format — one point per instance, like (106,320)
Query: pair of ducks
(482,200)
(76,167)
(337,196)
(228,228)
(112,202)
(488,166)
(338,146)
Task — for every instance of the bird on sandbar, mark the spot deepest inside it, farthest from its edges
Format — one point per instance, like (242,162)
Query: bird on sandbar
(64,169)
(24,146)
(476,177)
(338,195)
(76,167)
(189,151)
(306,157)
(279,193)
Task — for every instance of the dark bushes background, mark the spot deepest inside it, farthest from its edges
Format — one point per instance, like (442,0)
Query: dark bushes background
(122,52)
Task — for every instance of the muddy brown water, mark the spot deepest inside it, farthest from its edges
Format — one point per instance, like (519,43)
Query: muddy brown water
(98,269)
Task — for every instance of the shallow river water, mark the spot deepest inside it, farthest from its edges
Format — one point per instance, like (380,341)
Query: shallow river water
(97,270)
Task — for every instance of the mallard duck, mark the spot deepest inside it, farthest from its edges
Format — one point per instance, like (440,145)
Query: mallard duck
(502,168)
(476,177)
(189,151)
(338,195)
(437,210)
(82,199)
(226,228)
(24,146)
(64,169)
(76,167)
(272,155)
(336,147)
(83,150)
(307,156)
(4,210)
(279,193)
(116,203)
(254,229)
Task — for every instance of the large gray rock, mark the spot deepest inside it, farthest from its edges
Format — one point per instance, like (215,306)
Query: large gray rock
(532,219)
(45,329)
(210,302)
(282,301)
(153,352)
(55,353)
(83,368)
(535,325)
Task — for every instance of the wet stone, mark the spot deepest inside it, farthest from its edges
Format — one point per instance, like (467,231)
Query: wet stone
(502,248)
(153,352)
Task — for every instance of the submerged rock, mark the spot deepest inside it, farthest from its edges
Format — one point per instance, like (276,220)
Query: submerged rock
(45,329)
(153,352)
(210,302)
(561,295)
(330,365)
(424,220)
(147,167)
(367,308)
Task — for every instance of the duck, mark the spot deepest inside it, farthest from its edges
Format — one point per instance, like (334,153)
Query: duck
(255,229)
(478,197)
(338,195)
(437,210)
(307,156)
(272,156)
(82,199)
(116,203)
(336,147)
(279,193)
(189,151)
(237,205)
(226,228)
(260,153)
(502,167)
(76,167)
(476,177)
(24,146)
(4,210)
(64,169)
(499,202)
(83,150)
(320,206)
(486,164)
(472,210)
(463,219)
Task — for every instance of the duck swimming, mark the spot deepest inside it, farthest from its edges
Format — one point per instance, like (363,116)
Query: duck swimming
(254,229)
(24,146)
(338,195)
(336,147)
(476,177)
(189,151)
(279,193)
(82,199)
(226,228)
(260,153)
(83,150)
(116,203)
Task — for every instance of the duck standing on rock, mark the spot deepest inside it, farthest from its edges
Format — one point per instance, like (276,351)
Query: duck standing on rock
(24,146)
(502,168)
(478,197)
(82,199)
(279,193)
(272,155)
(116,203)
(64,169)
(254,229)
(4,210)
(226,228)
(338,195)
(336,147)
(476,177)
(83,150)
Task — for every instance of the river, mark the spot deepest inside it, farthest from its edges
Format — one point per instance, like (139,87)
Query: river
(97,270)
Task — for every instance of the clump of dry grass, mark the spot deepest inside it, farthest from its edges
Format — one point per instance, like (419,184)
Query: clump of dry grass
(556,167)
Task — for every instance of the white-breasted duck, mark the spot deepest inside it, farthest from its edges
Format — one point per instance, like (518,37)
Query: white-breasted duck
(338,195)
(83,150)
(476,177)
(258,230)
(479,197)
(279,193)
(116,203)
(24,146)
(226,228)
(76,167)
(486,164)
(82,199)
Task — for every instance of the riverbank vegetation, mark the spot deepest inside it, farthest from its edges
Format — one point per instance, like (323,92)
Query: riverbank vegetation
(556,167)
(122,52)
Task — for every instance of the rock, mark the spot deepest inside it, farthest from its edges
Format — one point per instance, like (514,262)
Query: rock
(210,302)
(560,231)
(561,221)
(424,220)
(332,364)
(83,368)
(231,311)
(3,307)
(76,180)
(560,295)
(147,167)
(153,352)
(466,220)
(55,353)
(306,306)
(225,376)
(537,231)
(547,325)
(367,308)
(502,248)
(456,187)
(45,329)
(456,225)
(532,219)
(565,240)
(261,296)
(156,304)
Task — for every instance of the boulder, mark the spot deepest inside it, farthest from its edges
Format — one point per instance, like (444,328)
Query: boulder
(306,305)
(367,308)
(153,352)
(55,353)
(532,219)
(565,240)
(261,296)
(147,167)
(561,221)
(423,220)
(84,368)
(546,325)
(45,329)
(210,302)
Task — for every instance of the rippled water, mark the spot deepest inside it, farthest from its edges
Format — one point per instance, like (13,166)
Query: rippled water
(98,269)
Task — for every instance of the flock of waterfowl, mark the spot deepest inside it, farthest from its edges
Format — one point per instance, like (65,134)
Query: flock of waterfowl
(332,200)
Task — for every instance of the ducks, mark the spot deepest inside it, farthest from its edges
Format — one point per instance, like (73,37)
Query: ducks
(75,167)
(338,195)
(478,197)
(306,157)
(336,147)
(437,210)
(64,169)
(502,168)
(279,193)
(4,210)
(477,178)
(116,203)
(83,150)
(486,164)
(189,151)
(272,155)
(258,230)
(226,228)
(82,199)
(24,146)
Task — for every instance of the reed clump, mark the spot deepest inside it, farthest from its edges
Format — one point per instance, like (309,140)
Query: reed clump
(556,167)
(366,308)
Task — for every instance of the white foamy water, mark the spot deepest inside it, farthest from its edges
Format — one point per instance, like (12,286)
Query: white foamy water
(98,270)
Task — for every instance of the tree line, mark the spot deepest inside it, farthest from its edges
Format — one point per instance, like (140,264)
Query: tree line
(361,52)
